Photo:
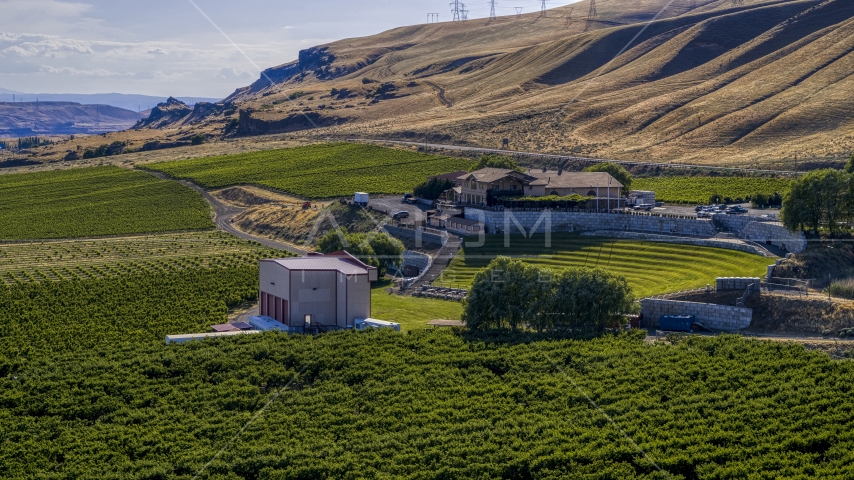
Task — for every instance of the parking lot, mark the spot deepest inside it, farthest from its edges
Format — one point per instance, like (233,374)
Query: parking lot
(393,204)
(688,210)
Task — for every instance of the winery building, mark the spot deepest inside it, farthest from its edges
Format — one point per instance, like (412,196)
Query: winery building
(330,290)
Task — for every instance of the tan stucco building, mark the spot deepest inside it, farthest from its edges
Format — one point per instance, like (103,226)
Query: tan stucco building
(331,290)
(475,186)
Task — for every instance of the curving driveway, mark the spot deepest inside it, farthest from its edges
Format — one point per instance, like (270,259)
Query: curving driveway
(224,214)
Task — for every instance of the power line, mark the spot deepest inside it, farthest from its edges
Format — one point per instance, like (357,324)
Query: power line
(519,12)
(492,9)
(456,10)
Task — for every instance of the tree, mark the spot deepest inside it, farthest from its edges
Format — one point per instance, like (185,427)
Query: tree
(821,197)
(510,294)
(377,249)
(497,161)
(617,171)
(433,188)
(759,200)
(849,167)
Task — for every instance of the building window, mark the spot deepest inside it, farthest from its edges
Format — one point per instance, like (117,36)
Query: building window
(591,193)
(474,185)
(512,187)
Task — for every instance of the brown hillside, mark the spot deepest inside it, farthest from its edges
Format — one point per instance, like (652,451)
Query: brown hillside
(706,82)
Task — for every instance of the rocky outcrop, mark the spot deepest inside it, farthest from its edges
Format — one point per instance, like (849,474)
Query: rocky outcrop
(169,112)
(250,125)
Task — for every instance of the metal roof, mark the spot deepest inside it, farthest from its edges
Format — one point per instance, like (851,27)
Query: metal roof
(347,266)
(553,179)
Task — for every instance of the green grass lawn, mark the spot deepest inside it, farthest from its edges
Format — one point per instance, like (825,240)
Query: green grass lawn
(317,171)
(96,201)
(651,268)
(698,190)
(410,312)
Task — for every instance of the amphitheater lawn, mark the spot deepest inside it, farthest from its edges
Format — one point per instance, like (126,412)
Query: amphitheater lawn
(651,268)
(316,171)
(96,201)
(411,312)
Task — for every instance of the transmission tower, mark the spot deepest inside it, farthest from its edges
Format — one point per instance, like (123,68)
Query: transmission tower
(464,13)
(519,12)
(492,9)
(543,8)
(456,8)
(568,16)
(591,14)
(432,18)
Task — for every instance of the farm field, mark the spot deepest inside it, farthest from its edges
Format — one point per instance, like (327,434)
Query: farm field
(698,190)
(117,257)
(96,201)
(427,405)
(316,171)
(650,268)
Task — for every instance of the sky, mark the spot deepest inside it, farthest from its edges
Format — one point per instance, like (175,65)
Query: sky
(169,47)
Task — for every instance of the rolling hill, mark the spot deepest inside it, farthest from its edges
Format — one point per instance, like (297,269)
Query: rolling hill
(699,81)
(62,118)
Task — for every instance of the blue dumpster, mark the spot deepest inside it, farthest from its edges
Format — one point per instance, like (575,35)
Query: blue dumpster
(676,323)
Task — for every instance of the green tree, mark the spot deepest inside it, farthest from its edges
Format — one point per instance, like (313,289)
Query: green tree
(617,171)
(433,188)
(821,197)
(377,249)
(759,200)
(497,161)
(503,295)
(849,167)
(510,294)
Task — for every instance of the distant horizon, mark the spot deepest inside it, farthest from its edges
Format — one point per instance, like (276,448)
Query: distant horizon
(194,48)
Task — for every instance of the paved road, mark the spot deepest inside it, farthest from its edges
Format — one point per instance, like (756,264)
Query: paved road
(567,157)
(223,215)
(394,204)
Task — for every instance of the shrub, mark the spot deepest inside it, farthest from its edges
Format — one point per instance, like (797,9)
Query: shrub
(497,161)
(621,174)
(842,288)
(433,188)
(198,139)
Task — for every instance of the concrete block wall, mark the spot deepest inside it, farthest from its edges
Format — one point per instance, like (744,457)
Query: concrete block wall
(718,317)
(700,242)
(776,233)
(736,223)
(559,221)
(736,283)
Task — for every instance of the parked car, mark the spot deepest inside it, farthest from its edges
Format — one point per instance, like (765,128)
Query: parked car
(643,206)
(699,208)
(399,215)
(407,196)
(704,214)
(738,209)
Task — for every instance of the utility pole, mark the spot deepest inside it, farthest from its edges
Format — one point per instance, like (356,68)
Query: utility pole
(455,10)
(519,13)
(591,14)
(432,18)
(492,9)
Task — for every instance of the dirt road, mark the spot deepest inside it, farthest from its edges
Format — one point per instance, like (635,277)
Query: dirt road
(223,215)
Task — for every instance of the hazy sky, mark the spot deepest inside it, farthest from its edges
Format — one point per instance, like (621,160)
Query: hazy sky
(167,47)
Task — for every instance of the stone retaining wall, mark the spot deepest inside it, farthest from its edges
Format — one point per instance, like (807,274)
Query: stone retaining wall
(736,283)
(700,242)
(718,317)
(558,221)
(775,234)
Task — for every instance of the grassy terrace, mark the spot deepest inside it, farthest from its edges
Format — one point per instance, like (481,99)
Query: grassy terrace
(95,201)
(316,171)
(651,268)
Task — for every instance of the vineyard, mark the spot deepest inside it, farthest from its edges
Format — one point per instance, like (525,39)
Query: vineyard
(698,190)
(116,257)
(317,171)
(651,268)
(96,201)
(428,405)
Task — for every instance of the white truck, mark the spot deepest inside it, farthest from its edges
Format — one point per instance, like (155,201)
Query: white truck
(361,198)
